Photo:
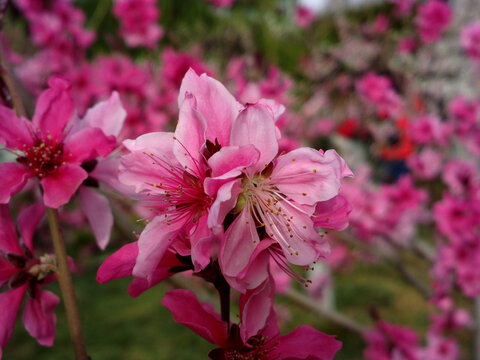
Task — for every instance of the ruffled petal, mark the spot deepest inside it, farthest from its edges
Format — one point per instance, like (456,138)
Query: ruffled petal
(15,132)
(10,302)
(306,343)
(198,317)
(28,221)
(239,242)
(54,108)
(39,316)
(87,144)
(217,106)
(255,307)
(332,214)
(107,115)
(8,234)
(60,187)
(152,244)
(118,265)
(189,135)
(225,201)
(99,214)
(231,160)
(308,176)
(255,125)
(13,179)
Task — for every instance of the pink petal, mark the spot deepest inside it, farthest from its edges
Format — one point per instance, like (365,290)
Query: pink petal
(138,169)
(118,265)
(255,125)
(306,342)
(332,214)
(255,307)
(188,311)
(87,144)
(8,234)
(190,135)
(10,302)
(139,285)
(97,209)
(14,131)
(107,115)
(28,221)
(106,172)
(275,107)
(39,316)
(225,201)
(231,160)
(54,109)
(256,271)
(13,179)
(60,187)
(240,241)
(201,239)
(152,244)
(217,106)
(307,176)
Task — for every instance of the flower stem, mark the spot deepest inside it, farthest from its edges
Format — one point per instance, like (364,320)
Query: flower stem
(6,75)
(66,286)
(223,289)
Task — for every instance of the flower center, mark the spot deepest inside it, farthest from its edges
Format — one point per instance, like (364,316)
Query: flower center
(43,158)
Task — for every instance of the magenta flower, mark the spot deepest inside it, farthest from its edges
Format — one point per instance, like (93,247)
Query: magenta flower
(432,20)
(470,40)
(21,272)
(52,147)
(257,336)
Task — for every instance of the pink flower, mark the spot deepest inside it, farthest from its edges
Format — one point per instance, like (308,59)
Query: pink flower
(222,3)
(381,24)
(388,342)
(377,90)
(304,16)
(277,197)
(403,7)
(176,64)
(23,273)
(138,21)
(428,129)
(427,164)
(432,20)
(464,114)
(257,336)
(470,40)
(52,147)
(406,45)
(461,177)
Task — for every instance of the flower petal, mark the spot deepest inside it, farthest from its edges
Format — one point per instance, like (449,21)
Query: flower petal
(39,316)
(239,242)
(28,221)
(231,160)
(188,311)
(8,234)
(217,106)
(332,214)
(10,302)
(13,179)
(99,214)
(60,186)
(255,125)
(304,343)
(308,176)
(54,108)
(152,244)
(255,307)
(15,132)
(189,135)
(118,265)
(87,144)
(225,201)
(107,115)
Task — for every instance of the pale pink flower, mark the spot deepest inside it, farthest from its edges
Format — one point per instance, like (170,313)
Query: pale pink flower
(426,164)
(470,40)
(377,91)
(433,18)
(21,272)
(52,147)
(403,7)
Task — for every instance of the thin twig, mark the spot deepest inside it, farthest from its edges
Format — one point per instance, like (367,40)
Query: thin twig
(66,287)
(332,316)
(6,74)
